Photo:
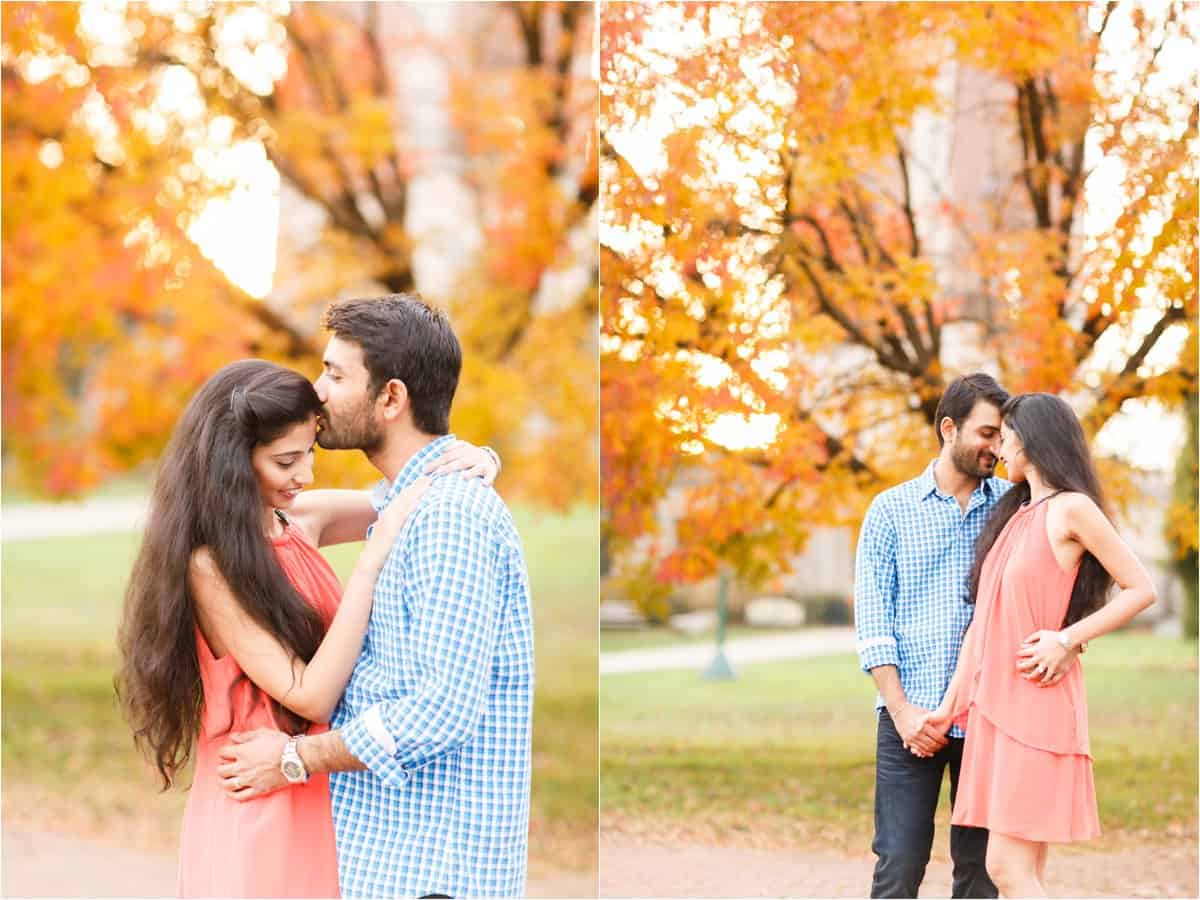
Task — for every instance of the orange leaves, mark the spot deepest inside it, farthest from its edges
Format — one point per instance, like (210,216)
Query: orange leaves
(370,132)
(633,442)
(40,28)
(802,228)
(1022,40)
(519,147)
(300,133)
(742,518)
(1042,349)
(112,317)
(362,136)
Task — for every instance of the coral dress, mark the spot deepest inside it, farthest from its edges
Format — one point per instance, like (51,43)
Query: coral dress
(1027,764)
(280,845)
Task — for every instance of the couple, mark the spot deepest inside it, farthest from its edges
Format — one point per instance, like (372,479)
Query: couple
(974,597)
(239,644)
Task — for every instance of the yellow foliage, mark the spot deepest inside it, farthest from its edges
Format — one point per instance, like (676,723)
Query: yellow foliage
(112,318)
(775,314)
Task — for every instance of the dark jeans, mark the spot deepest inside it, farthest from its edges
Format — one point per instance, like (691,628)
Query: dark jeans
(906,796)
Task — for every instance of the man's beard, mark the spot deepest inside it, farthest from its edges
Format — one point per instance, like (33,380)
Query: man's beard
(357,431)
(967,461)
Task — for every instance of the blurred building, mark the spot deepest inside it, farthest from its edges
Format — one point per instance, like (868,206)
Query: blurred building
(424,43)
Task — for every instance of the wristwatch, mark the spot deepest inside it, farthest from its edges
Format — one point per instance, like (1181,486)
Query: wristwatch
(290,763)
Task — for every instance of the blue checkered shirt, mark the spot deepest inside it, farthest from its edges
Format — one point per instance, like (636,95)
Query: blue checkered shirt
(911,574)
(440,705)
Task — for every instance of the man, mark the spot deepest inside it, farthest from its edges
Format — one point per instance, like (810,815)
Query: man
(911,611)
(430,745)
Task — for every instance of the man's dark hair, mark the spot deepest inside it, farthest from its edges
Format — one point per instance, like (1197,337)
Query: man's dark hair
(403,337)
(962,395)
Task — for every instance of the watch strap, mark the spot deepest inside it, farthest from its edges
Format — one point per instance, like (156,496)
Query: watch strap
(291,764)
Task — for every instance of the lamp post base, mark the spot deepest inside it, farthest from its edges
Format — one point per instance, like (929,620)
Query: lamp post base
(719,669)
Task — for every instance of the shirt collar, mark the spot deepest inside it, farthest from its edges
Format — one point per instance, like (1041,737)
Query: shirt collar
(384,491)
(927,485)
(988,486)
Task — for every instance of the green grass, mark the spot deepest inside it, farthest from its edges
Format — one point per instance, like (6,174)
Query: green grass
(788,748)
(64,595)
(67,757)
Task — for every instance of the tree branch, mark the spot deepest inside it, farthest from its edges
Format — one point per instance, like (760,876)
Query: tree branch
(1033,173)
(395,200)
(1126,383)
(887,359)
(531,32)
(856,228)
(299,344)
(333,100)
(828,259)
(915,338)
(863,212)
(914,242)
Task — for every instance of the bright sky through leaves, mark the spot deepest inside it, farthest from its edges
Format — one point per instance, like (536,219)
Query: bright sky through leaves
(237,231)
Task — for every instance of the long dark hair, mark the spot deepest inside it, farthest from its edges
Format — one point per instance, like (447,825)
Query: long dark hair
(1054,445)
(206,494)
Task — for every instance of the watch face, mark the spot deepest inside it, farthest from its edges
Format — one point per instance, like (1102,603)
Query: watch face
(292,771)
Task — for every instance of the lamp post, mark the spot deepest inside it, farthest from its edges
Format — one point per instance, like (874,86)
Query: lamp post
(720,669)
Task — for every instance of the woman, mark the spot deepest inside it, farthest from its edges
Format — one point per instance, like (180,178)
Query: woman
(234,621)
(1044,562)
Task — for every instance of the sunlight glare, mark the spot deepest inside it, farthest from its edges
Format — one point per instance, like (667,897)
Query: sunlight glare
(238,232)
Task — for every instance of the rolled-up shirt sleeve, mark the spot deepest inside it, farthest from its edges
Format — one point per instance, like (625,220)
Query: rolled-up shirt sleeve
(875,590)
(449,575)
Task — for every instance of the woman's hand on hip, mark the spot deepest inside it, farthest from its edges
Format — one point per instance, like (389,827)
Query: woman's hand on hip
(250,764)
(1043,659)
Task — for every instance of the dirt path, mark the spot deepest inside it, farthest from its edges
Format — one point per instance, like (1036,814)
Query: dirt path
(634,867)
(39,864)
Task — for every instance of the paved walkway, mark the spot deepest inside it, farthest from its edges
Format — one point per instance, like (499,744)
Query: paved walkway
(40,864)
(811,642)
(633,867)
(30,521)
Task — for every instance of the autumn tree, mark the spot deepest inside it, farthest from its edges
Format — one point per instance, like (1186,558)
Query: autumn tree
(108,306)
(111,315)
(790,276)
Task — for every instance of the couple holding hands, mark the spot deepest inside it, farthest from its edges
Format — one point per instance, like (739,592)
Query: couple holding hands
(974,598)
